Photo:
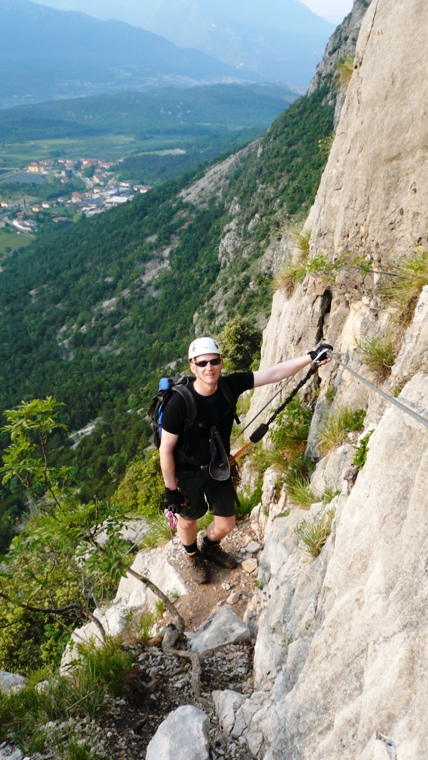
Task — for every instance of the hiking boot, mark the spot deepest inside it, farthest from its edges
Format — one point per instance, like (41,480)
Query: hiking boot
(198,568)
(217,555)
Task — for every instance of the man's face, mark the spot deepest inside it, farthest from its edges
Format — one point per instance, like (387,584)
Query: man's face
(202,367)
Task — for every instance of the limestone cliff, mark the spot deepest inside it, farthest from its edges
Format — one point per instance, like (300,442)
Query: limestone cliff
(341,655)
(340,45)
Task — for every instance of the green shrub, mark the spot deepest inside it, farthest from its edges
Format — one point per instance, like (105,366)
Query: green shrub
(344,70)
(158,534)
(106,665)
(247,503)
(291,430)
(289,439)
(291,274)
(378,354)
(81,751)
(300,492)
(142,488)
(98,674)
(330,393)
(360,455)
(320,265)
(302,243)
(312,533)
(404,289)
(240,342)
(144,625)
(336,427)
(295,269)
(329,494)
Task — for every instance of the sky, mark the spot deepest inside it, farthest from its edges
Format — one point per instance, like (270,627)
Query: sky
(332,10)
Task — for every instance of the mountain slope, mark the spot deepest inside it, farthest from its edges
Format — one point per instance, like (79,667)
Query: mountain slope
(95,314)
(280,39)
(47,54)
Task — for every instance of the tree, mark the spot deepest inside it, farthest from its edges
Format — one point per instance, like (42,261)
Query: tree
(240,342)
(56,571)
(142,488)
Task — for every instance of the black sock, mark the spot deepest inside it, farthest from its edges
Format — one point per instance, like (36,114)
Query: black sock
(192,549)
(210,543)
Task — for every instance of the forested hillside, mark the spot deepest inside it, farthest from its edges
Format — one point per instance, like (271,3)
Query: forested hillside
(94,314)
(160,111)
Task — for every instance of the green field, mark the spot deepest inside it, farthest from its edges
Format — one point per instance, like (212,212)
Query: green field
(13,241)
(107,147)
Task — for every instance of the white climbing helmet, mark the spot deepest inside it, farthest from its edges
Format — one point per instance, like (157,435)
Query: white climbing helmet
(203,346)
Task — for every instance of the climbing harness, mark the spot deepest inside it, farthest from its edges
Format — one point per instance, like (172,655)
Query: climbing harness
(391,399)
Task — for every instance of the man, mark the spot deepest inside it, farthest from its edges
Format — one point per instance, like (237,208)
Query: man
(194,461)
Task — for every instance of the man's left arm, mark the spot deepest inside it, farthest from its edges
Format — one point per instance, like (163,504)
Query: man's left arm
(280,371)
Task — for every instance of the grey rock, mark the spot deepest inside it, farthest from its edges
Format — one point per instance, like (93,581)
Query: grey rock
(253,547)
(10,753)
(226,705)
(10,682)
(221,628)
(182,736)
(249,565)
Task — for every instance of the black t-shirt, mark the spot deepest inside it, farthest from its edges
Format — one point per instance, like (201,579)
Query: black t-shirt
(211,410)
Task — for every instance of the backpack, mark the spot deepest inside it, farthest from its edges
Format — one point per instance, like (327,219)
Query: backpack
(170,385)
(167,386)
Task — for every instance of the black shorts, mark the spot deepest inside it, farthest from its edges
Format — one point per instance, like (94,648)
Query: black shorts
(203,493)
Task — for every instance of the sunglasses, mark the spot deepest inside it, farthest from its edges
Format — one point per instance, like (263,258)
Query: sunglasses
(204,362)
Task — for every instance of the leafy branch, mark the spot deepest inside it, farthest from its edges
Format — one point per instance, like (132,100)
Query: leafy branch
(56,566)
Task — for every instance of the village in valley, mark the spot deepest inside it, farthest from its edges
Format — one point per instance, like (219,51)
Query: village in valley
(98,190)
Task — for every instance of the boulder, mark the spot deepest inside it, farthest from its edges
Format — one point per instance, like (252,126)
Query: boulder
(221,628)
(182,736)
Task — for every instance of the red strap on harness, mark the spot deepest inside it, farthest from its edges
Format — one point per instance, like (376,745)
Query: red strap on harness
(172,521)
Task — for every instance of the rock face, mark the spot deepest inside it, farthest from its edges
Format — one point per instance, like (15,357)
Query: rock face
(370,202)
(341,654)
(374,191)
(340,45)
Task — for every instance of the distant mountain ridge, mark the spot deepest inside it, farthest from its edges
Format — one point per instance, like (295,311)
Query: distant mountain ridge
(47,54)
(280,39)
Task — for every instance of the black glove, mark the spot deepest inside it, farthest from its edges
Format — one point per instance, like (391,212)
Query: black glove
(320,354)
(174,501)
